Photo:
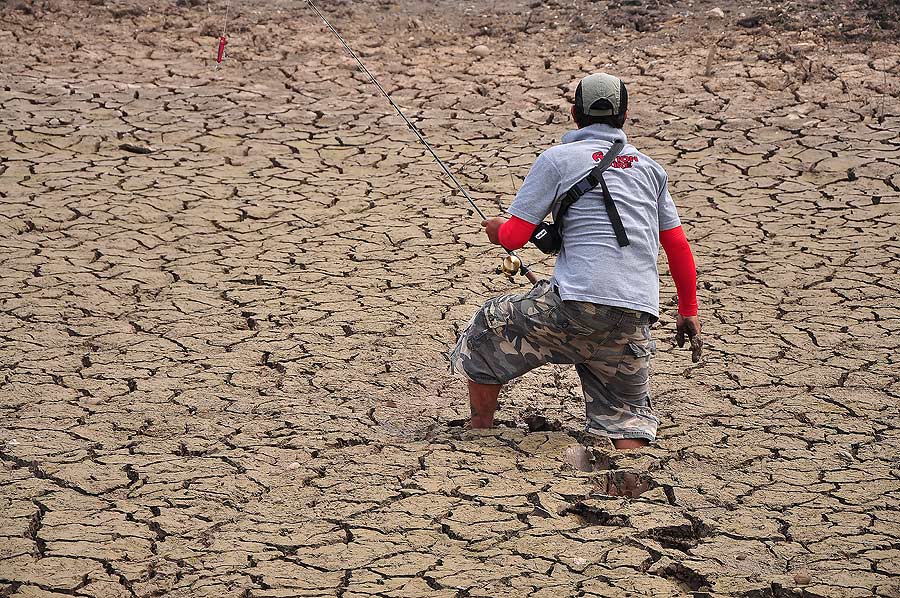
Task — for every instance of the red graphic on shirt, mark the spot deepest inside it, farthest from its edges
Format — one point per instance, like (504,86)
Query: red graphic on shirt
(619,162)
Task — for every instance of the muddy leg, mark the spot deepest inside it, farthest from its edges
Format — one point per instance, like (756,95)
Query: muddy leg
(483,402)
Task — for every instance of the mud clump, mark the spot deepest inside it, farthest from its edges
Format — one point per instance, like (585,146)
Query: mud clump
(681,573)
(540,423)
(126,11)
(593,515)
(623,483)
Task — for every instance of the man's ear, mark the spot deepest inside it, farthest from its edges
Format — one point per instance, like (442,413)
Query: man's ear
(572,110)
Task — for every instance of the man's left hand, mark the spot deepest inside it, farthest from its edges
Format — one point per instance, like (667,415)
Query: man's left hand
(492,229)
(689,326)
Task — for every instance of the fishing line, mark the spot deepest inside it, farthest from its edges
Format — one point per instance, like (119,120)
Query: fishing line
(512,264)
(220,54)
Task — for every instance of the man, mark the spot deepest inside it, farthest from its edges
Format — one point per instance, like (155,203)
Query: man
(596,310)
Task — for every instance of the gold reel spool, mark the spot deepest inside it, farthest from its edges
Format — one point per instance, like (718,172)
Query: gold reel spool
(511,265)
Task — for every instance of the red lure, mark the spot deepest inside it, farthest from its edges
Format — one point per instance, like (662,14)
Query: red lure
(221,53)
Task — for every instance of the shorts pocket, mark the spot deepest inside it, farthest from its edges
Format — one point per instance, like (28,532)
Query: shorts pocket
(496,316)
(635,359)
(570,325)
(516,315)
(642,350)
(475,333)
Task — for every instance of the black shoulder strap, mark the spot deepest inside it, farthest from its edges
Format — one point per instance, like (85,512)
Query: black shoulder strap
(613,214)
(590,181)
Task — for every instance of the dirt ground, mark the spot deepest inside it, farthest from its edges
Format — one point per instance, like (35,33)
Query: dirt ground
(223,362)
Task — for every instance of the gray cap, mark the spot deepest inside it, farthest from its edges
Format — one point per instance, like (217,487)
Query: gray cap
(601,95)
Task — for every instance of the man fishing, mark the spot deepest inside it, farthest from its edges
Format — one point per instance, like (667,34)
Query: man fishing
(612,207)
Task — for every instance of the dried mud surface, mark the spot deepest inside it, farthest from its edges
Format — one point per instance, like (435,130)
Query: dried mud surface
(222,362)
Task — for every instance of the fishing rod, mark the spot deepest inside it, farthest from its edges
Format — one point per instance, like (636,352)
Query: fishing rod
(512,264)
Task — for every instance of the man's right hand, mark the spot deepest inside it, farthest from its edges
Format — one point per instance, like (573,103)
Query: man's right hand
(689,326)
(492,228)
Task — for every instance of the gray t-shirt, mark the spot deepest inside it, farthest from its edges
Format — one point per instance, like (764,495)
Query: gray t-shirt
(591,266)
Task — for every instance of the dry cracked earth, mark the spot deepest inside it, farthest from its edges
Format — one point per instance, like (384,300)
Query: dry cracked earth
(226,298)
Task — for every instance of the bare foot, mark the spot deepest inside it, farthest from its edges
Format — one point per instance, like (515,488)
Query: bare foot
(480,423)
(629,443)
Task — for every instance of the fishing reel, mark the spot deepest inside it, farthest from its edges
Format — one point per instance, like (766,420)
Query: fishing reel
(511,265)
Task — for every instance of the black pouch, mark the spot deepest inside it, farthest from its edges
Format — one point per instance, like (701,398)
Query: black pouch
(546,237)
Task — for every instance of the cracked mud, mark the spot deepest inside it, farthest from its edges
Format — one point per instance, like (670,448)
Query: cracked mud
(226,298)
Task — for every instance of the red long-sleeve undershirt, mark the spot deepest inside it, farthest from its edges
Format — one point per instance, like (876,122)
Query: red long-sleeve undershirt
(682,267)
(515,232)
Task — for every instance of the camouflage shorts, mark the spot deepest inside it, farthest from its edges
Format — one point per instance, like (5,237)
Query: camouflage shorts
(610,347)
